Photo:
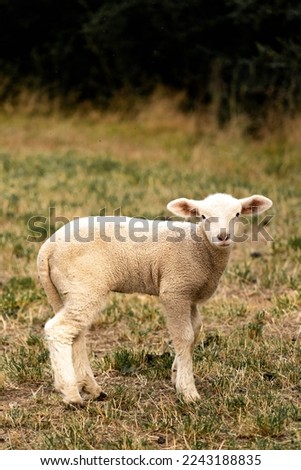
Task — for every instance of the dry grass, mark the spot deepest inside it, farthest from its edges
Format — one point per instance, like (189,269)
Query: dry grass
(248,360)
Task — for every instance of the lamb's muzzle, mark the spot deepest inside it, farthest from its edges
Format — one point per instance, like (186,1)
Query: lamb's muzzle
(182,265)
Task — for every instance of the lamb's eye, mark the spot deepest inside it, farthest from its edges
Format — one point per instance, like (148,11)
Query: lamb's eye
(203,217)
(238,214)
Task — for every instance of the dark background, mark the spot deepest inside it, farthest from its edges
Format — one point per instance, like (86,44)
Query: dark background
(245,55)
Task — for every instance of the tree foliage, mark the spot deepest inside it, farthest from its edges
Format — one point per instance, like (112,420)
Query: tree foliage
(241,53)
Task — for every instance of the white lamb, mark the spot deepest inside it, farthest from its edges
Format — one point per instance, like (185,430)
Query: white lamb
(181,262)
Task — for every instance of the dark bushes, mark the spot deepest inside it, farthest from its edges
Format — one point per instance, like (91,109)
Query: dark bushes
(244,54)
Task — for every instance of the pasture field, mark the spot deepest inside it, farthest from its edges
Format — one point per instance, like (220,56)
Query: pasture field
(248,361)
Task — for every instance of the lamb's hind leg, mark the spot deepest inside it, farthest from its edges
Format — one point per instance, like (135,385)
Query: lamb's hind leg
(83,371)
(62,331)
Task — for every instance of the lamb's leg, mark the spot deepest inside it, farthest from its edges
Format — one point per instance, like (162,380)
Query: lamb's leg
(83,371)
(60,334)
(180,325)
(196,325)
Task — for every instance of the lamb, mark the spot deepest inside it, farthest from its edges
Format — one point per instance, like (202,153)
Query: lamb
(181,262)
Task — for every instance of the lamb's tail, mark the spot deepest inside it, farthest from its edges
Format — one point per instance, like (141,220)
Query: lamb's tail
(52,293)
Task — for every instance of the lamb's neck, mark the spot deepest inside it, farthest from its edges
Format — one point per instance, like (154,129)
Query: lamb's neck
(219,256)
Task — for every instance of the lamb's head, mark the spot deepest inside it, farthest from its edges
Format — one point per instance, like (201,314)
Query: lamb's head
(219,214)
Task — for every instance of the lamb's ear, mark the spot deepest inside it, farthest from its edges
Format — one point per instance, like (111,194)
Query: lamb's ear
(183,207)
(255,204)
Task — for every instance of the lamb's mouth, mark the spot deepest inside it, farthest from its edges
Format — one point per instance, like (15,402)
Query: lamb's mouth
(224,244)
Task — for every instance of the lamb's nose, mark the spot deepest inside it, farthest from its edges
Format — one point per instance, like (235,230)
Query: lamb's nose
(223,236)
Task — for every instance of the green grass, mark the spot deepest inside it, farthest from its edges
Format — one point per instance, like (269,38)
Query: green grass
(247,362)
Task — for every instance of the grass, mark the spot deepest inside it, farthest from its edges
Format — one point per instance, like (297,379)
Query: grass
(247,362)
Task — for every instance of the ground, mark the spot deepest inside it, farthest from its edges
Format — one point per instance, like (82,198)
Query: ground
(247,363)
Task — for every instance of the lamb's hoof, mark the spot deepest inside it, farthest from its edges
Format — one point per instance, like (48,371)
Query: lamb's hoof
(95,393)
(73,406)
(190,397)
(101,397)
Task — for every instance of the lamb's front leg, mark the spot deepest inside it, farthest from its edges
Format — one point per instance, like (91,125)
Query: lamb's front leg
(196,325)
(179,323)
